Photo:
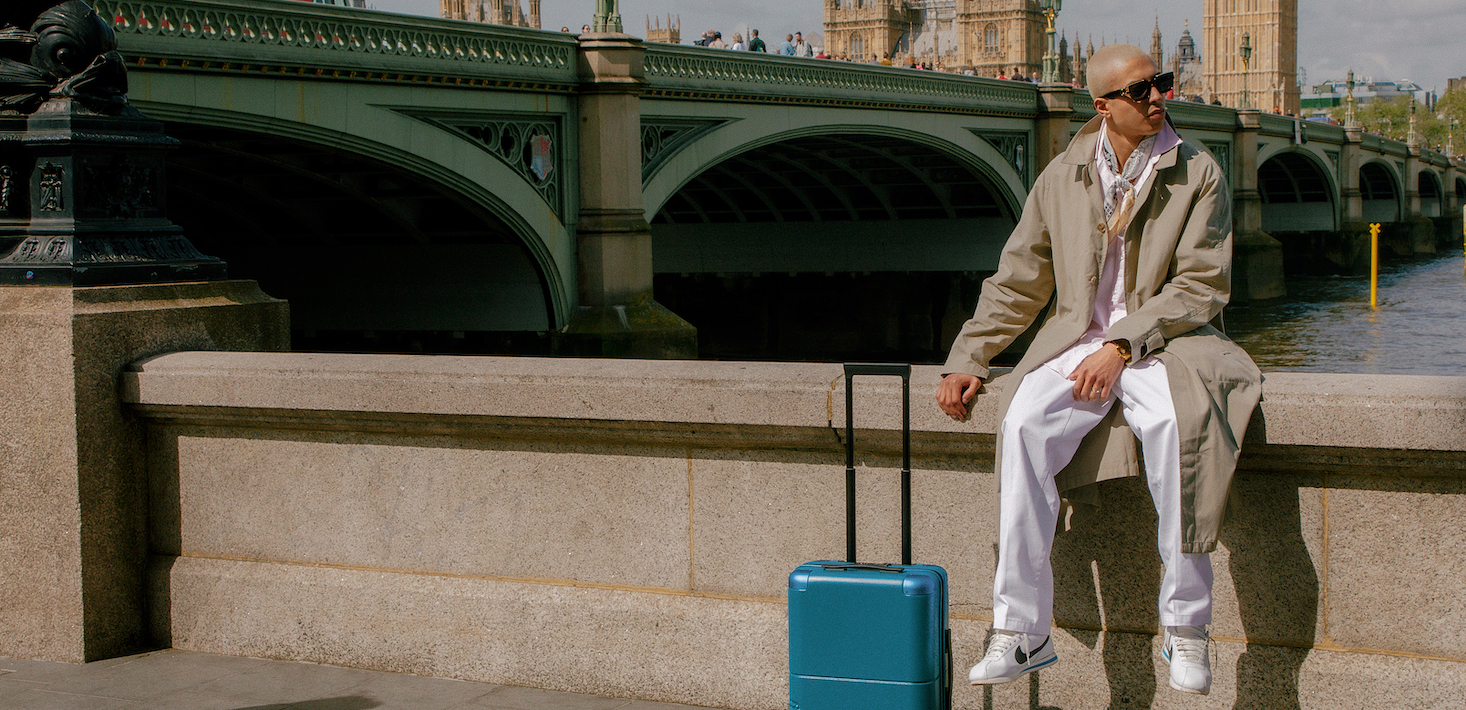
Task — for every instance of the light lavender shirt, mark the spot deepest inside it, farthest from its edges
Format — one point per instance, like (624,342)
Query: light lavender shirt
(1120,190)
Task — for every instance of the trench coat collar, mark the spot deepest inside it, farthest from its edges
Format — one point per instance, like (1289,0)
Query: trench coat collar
(1081,148)
(1081,154)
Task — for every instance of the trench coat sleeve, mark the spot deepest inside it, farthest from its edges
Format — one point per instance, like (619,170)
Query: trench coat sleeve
(1201,283)
(1011,298)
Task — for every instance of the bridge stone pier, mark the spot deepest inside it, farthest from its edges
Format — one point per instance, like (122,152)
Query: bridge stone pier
(233,465)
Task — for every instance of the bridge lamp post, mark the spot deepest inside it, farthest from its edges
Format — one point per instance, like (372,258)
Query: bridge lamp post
(1351,119)
(1412,138)
(1246,59)
(82,185)
(607,17)
(1051,57)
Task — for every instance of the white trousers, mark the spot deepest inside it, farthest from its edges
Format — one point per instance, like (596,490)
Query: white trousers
(1041,432)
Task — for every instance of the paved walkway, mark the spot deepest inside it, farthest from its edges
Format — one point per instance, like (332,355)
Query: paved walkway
(181,680)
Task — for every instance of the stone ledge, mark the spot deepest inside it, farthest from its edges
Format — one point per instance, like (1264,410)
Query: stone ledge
(550,388)
(1316,421)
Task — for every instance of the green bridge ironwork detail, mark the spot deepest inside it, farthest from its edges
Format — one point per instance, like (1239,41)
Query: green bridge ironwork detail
(673,71)
(334,43)
(300,38)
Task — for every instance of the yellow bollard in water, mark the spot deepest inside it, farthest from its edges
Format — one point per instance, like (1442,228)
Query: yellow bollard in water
(1374,266)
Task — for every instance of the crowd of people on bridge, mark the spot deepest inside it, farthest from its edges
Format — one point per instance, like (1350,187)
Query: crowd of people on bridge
(793,45)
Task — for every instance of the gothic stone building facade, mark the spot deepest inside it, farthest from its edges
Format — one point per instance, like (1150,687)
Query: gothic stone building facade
(991,36)
(494,12)
(1272,75)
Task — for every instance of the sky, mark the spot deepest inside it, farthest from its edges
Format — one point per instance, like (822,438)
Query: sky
(1414,40)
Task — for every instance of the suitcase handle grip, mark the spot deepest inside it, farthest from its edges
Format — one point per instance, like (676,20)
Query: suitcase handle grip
(903,371)
(872,568)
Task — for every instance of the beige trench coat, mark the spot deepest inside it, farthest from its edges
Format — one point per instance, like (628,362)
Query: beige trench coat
(1177,279)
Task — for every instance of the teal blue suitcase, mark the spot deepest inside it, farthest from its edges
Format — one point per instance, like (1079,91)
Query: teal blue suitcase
(870,636)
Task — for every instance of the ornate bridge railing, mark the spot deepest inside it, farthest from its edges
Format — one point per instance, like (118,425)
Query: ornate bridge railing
(271,37)
(673,71)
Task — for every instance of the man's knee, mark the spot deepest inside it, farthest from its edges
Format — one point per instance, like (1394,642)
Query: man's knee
(1023,422)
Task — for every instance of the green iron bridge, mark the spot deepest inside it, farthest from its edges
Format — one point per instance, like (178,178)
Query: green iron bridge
(400,174)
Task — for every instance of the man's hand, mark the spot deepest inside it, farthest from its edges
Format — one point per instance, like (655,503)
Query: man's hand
(1095,378)
(955,392)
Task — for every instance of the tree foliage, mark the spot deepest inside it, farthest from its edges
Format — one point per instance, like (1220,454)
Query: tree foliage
(1391,119)
(1452,107)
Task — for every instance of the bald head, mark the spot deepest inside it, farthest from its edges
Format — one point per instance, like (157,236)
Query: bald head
(1107,66)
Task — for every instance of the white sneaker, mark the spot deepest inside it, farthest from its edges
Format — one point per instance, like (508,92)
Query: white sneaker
(1185,650)
(1009,656)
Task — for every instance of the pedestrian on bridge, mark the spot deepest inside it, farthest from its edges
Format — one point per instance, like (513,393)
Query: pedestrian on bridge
(802,48)
(786,47)
(1129,233)
(754,43)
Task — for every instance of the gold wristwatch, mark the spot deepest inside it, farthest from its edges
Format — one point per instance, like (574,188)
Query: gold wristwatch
(1123,346)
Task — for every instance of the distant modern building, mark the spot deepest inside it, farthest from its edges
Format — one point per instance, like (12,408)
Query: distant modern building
(1325,96)
(494,12)
(1453,84)
(991,36)
(1272,73)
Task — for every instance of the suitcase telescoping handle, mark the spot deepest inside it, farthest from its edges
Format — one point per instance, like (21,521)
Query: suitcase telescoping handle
(892,370)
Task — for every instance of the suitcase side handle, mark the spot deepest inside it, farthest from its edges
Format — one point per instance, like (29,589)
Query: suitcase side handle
(903,371)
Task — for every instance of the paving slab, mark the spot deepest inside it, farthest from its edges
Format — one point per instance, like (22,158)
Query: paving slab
(184,680)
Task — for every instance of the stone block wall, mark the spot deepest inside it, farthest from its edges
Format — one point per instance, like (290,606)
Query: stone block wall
(625,528)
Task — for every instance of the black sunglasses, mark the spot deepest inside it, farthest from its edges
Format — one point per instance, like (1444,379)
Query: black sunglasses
(1140,90)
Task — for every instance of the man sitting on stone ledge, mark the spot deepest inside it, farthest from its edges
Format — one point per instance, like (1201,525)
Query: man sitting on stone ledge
(1128,236)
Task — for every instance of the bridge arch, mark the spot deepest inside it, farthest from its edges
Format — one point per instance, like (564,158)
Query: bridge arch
(469,236)
(1460,189)
(1380,190)
(1432,194)
(950,137)
(864,239)
(1298,193)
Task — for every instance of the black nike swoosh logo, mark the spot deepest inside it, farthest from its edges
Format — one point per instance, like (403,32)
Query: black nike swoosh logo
(1022,657)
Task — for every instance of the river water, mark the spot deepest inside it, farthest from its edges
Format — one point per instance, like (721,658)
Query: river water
(1325,323)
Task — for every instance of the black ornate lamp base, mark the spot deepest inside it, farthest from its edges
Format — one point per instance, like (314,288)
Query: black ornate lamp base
(82,192)
(97,261)
(83,202)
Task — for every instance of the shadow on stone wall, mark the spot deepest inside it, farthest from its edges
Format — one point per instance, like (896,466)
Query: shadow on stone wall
(1107,575)
(1276,584)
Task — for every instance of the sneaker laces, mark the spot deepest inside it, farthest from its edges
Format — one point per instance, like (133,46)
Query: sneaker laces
(1000,643)
(1189,649)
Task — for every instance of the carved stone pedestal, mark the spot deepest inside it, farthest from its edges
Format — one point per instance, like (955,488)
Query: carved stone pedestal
(74,513)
